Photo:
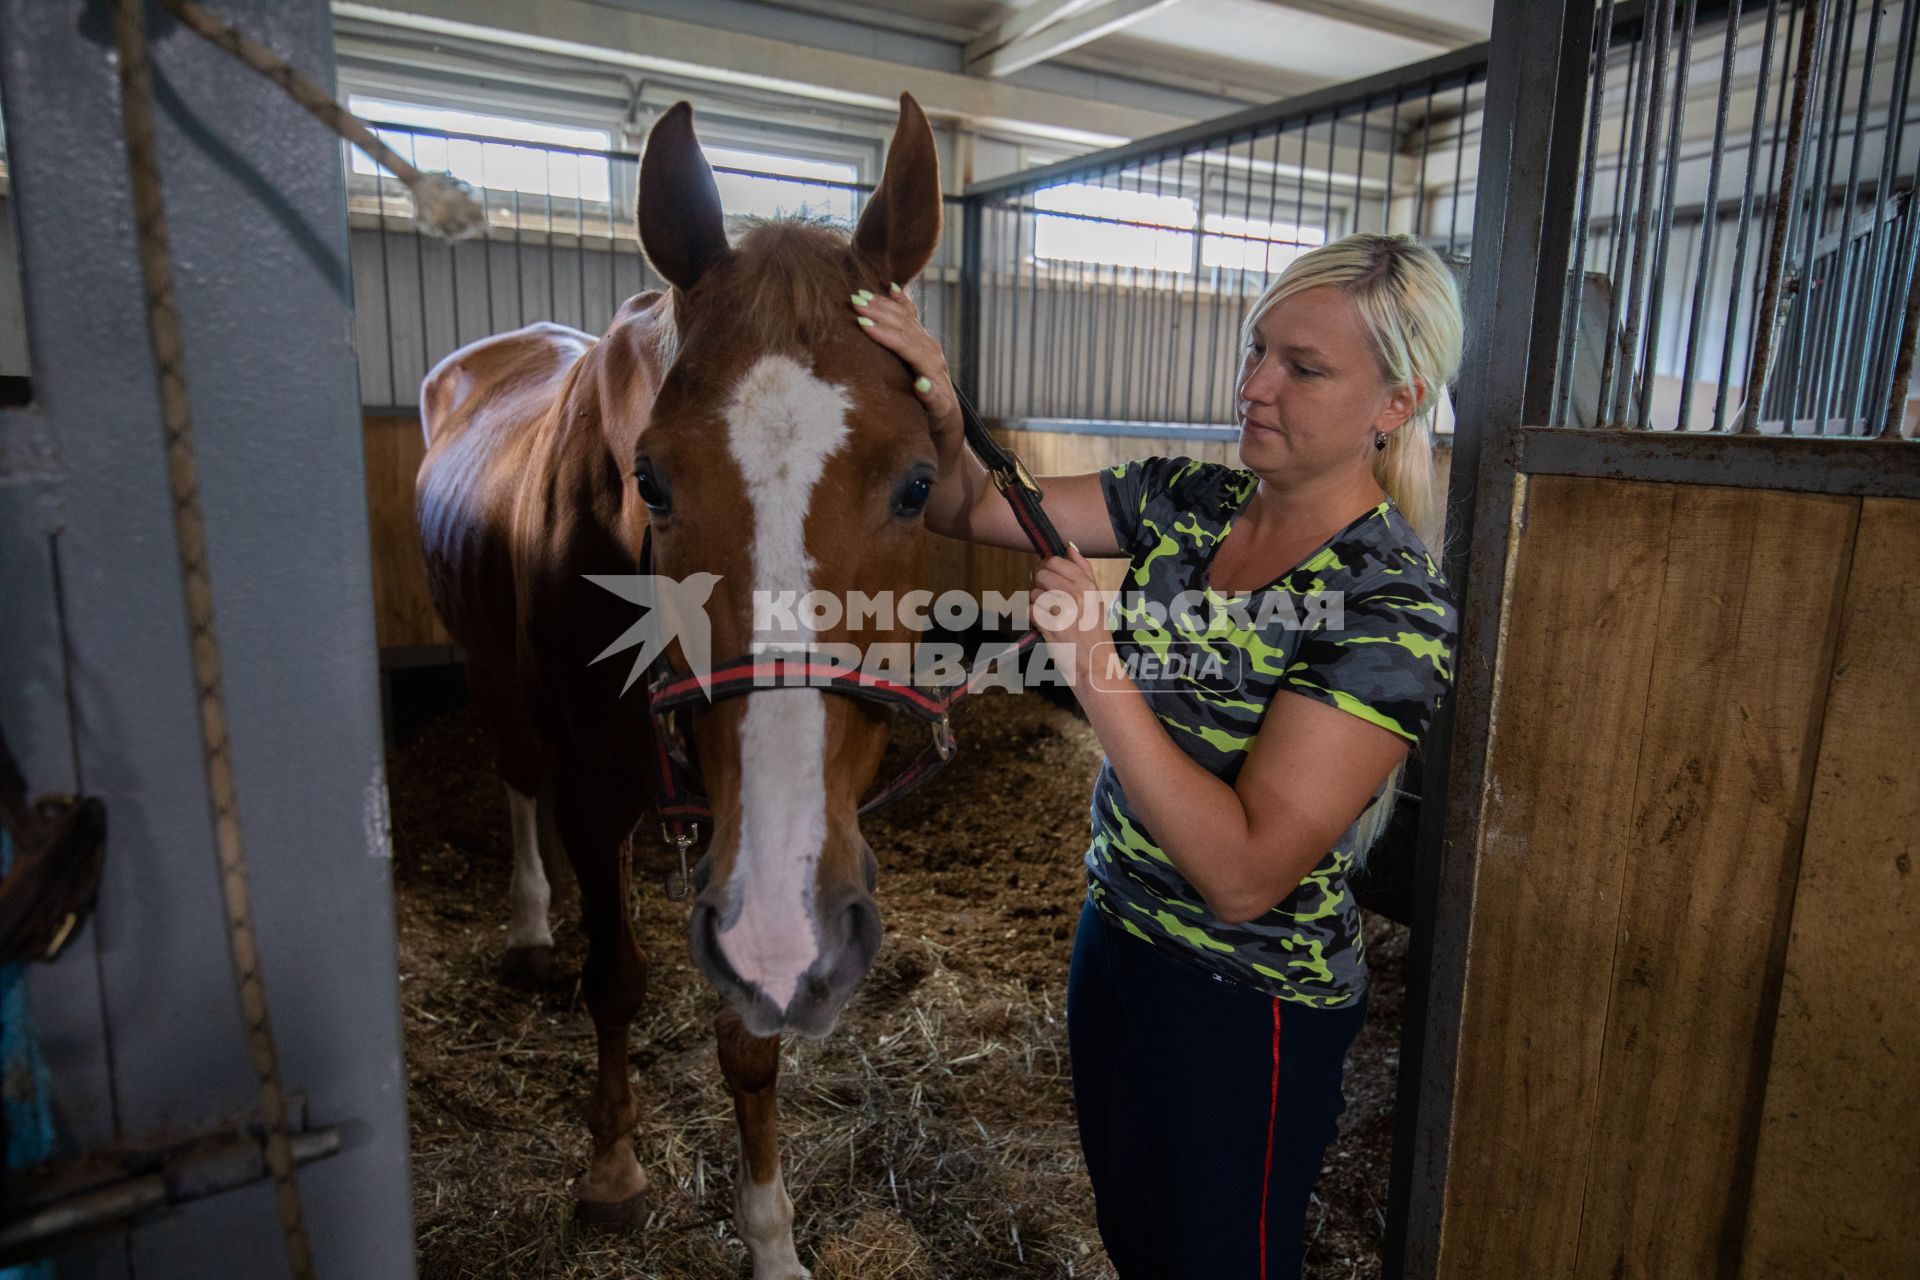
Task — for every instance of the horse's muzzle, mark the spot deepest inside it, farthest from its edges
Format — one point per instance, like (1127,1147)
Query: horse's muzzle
(848,927)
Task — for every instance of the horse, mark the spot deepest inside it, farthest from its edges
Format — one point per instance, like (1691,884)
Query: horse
(743,426)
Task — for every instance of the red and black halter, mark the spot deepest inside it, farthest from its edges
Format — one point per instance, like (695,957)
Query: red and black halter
(672,695)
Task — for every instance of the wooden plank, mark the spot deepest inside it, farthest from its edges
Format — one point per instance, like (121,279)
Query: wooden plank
(402,611)
(1745,627)
(1838,1164)
(1556,817)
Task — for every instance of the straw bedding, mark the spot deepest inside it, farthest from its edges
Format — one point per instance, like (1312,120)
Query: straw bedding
(930,1136)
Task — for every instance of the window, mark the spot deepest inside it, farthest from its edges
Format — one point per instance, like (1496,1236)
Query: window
(789,193)
(1114,228)
(1083,223)
(1248,244)
(498,166)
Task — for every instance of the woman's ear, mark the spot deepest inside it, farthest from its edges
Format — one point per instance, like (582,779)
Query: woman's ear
(1402,402)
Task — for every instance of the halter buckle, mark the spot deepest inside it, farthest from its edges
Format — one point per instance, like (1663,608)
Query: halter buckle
(678,882)
(1020,475)
(943,740)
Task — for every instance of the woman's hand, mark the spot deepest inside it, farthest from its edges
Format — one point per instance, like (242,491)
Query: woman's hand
(891,320)
(1068,609)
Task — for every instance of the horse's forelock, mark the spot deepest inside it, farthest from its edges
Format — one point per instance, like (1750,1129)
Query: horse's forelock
(787,284)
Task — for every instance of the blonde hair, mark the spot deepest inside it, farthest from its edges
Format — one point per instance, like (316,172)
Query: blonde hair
(1411,308)
(1410,305)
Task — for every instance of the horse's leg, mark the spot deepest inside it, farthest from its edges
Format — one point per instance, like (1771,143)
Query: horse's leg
(529,956)
(762,1210)
(593,828)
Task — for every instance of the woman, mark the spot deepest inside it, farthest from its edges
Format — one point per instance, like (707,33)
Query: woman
(1218,975)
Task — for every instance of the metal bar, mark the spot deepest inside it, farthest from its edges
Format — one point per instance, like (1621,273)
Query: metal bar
(1420,186)
(190,1175)
(1393,155)
(1765,312)
(1360,162)
(1459,158)
(1199,267)
(1643,212)
(1570,317)
(1443,70)
(1838,465)
(1133,304)
(1806,313)
(1657,284)
(1898,91)
(973,217)
(1530,156)
(1845,372)
(1859,354)
(1745,223)
(386,290)
(1710,223)
(1902,378)
(1628,144)
(1326,187)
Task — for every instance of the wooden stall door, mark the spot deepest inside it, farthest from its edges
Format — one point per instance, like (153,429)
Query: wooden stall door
(1688,1029)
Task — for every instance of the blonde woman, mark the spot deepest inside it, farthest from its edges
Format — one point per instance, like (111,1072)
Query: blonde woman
(1218,974)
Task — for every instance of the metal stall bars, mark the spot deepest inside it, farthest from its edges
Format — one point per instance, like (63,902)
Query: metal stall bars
(561,244)
(1639,1041)
(1110,288)
(1746,186)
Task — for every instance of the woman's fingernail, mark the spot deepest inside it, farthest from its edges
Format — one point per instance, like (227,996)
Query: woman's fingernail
(923,385)
(861,299)
(896,288)
(866,295)
(1074,549)
(864,322)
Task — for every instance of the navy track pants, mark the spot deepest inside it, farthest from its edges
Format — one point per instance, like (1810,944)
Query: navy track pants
(1205,1108)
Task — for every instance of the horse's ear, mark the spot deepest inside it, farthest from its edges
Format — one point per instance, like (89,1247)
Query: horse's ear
(901,227)
(681,224)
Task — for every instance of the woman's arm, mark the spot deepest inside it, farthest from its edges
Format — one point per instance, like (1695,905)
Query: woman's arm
(964,502)
(1312,769)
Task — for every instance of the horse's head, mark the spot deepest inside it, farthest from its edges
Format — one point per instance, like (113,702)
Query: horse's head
(787,454)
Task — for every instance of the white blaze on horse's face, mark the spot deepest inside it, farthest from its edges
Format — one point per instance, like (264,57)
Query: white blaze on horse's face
(783,423)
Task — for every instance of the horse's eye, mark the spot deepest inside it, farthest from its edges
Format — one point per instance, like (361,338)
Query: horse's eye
(652,492)
(913,498)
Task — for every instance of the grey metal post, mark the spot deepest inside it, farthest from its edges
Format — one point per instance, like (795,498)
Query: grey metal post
(139,1020)
(1523,222)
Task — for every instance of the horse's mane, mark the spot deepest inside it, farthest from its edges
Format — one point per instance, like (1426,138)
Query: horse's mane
(790,279)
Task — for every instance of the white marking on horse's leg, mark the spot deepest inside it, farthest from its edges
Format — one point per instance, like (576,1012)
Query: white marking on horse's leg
(763,1215)
(783,424)
(529,895)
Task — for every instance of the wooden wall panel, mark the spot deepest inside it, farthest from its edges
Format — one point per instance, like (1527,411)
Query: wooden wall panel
(402,611)
(1557,818)
(1838,1167)
(1743,633)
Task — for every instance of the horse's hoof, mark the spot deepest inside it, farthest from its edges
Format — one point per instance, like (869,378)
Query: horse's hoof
(526,966)
(612,1215)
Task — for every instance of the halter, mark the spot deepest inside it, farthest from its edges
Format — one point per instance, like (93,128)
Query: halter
(672,696)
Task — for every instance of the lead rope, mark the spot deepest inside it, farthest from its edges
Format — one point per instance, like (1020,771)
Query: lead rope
(163,324)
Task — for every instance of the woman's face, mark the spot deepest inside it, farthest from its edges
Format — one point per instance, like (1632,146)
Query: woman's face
(1311,395)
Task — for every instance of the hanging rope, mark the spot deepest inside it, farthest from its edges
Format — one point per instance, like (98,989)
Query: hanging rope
(163,323)
(442,203)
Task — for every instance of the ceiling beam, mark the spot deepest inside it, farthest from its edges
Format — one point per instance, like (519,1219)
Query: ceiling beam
(1090,22)
(690,51)
(1386,21)
(1024,22)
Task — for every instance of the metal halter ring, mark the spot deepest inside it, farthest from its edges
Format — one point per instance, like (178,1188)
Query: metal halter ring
(678,881)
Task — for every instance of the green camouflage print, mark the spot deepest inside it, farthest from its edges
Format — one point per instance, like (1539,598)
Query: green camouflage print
(1388,661)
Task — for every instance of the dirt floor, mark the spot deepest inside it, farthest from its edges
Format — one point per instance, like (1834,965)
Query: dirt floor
(930,1136)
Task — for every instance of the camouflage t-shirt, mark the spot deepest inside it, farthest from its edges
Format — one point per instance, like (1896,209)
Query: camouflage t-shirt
(1365,623)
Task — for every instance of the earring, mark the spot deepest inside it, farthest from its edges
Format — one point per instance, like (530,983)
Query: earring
(1379,439)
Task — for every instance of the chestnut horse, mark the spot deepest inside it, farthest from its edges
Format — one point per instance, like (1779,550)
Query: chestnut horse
(745,421)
